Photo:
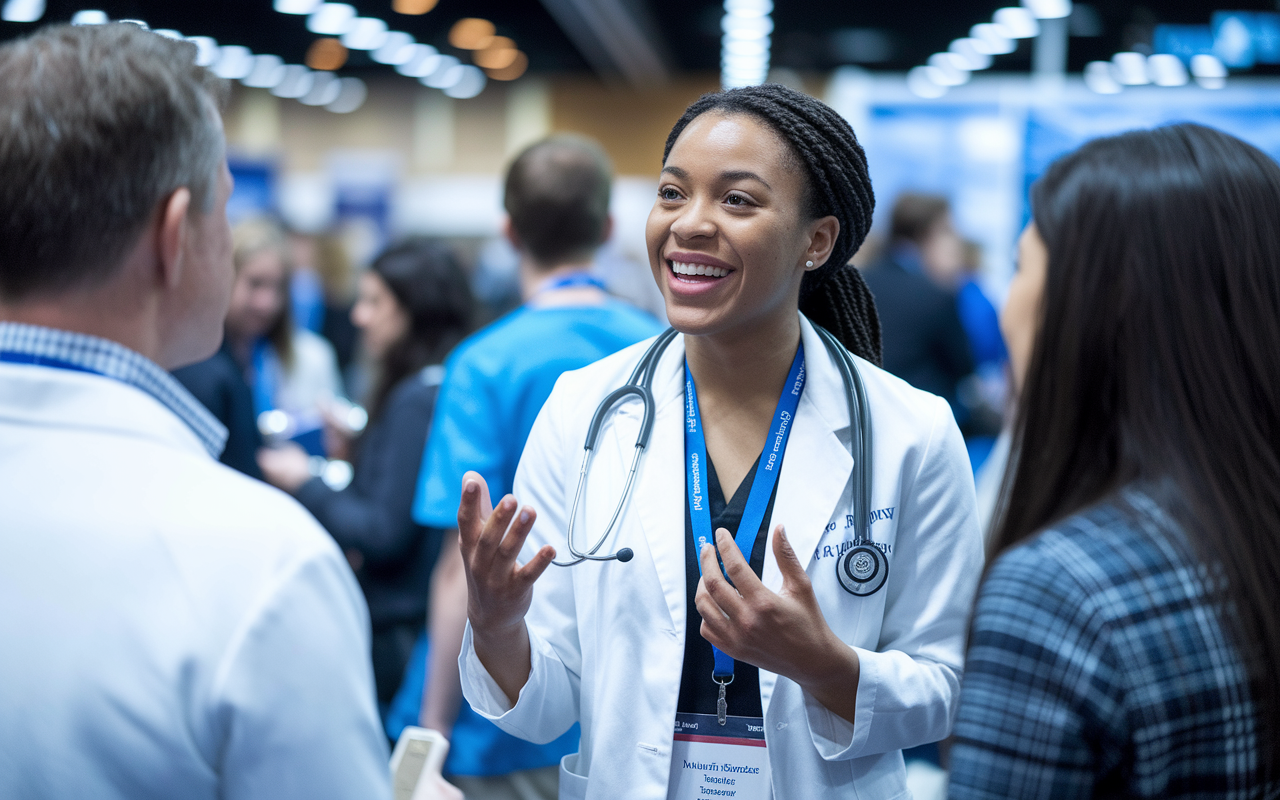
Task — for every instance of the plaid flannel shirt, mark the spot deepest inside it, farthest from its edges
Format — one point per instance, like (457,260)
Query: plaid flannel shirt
(1098,666)
(39,346)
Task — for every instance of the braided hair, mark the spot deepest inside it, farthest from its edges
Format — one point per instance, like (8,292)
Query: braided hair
(833,295)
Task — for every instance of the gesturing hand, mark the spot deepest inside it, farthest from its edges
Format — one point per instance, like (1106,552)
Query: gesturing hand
(499,590)
(784,633)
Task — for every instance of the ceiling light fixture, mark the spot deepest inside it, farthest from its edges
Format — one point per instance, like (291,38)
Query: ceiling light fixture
(422,61)
(326,54)
(22,10)
(466,84)
(267,73)
(1048,9)
(296,6)
(442,77)
(471,33)
(512,71)
(413,7)
(397,49)
(90,16)
(296,83)
(331,19)
(366,33)
(1016,23)
(1099,77)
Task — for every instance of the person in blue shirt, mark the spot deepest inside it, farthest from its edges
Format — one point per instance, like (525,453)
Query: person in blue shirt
(557,201)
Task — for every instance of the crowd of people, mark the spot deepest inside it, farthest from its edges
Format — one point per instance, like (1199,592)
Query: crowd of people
(769,555)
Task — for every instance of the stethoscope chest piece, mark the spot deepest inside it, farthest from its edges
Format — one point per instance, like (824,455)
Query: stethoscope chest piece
(862,570)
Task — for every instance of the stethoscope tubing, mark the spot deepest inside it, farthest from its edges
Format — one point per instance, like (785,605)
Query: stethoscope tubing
(640,385)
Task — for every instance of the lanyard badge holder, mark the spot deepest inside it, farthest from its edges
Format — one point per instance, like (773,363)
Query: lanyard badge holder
(864,568)
(766,478)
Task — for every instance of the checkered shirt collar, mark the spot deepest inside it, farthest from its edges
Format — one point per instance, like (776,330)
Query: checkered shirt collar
(37,345)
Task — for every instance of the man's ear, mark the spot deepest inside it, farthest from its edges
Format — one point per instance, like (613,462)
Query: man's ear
(173,235)
(509,233)
(608,229)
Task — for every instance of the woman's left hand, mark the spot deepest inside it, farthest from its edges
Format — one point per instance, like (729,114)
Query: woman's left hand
(782,632)
(286,467)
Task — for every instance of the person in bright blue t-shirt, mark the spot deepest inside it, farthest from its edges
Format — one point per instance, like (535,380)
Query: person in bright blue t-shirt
(557,199)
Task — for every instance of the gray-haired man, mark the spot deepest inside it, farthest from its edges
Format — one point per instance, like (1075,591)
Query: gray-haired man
(169,628)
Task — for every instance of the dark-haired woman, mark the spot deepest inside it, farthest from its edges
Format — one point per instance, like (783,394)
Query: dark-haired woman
(791,684)
(414,305)
(1127,641)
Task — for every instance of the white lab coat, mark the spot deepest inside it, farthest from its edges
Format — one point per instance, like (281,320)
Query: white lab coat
(608,638)
(169,628)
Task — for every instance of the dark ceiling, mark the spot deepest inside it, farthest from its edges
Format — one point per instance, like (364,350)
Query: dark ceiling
(809,34)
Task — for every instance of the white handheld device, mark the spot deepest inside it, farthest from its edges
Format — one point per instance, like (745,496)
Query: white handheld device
(419,755)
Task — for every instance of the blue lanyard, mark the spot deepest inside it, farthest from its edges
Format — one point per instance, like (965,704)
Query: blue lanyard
(574,279)
(695,448)
(15,357)
(266,377)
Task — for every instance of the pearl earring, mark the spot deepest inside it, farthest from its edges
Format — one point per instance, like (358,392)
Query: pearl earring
(808,263)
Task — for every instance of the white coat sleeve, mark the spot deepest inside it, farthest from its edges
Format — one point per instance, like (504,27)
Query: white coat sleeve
(294,697)
(908,687)
(548,705)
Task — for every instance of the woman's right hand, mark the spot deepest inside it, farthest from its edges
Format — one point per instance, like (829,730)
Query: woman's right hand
(499,590)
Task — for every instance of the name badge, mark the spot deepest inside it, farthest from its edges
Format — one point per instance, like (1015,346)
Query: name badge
(713,760)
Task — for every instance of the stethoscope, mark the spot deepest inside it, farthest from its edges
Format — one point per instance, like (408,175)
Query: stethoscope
(861,570)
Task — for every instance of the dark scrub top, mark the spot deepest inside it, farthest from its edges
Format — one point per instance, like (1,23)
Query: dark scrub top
(698,693)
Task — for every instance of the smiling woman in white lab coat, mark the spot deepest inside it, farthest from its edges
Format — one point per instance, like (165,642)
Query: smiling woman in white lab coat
(790,681)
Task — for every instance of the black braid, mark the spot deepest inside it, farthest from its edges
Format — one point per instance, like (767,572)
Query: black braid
(834,295)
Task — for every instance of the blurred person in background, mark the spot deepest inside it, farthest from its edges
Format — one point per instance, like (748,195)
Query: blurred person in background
(413,306)
(264,362)
(1127,640)
(289,368)
(557,200)
(924,339)
(171,628)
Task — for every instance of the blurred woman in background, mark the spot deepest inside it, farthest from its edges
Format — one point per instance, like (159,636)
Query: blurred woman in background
(287,367)
(1126,643)
(414,305)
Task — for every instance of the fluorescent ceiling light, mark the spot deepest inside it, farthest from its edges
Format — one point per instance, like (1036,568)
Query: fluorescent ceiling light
(324,89)
(351,95)
(90,17)
(1048,9)
(921,84)
(422,62)
(443,76)
(366,33)
(332,19)
(748,8)
(267,73)
(1130,68)
(1207,66)
(1016,23)
(22,10)
(746,27)
(746,47)
(948,72)
(469,84)
(1098,77)
(296,82)
(234,62)
(396,50)
(1166,70)
(296,6)
(969,50)
(207,51)
(991,39)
